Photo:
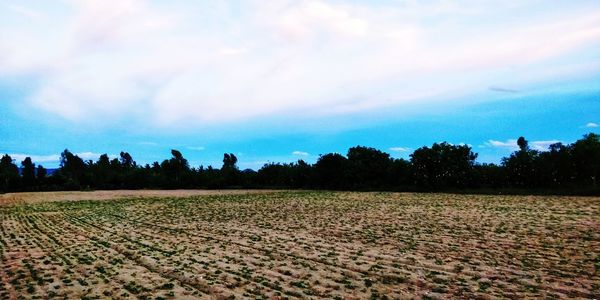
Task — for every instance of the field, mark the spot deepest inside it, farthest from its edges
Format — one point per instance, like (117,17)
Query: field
(299,245)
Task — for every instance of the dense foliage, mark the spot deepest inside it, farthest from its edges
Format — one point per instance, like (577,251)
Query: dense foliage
(572,168)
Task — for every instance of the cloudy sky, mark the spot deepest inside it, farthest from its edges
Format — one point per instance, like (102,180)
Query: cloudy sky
(287,80)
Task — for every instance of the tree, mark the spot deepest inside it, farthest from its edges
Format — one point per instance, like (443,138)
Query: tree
(443,165)
(401,174)
(521,166)
(488,176)
(286,175)
(72,167)
(229,171)
(229,161)
(128,170)
(127,161)
(330,170)
(523,144)
(555,166)
(41,174)
(301,174)
(175,170)
(586,159)
(28,173)
(9,174)
(105,173)
(275,175)
(368,167)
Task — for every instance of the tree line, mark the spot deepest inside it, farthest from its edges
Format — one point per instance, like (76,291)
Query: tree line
(572,168)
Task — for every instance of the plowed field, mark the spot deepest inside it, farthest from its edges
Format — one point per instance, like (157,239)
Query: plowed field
(301,245)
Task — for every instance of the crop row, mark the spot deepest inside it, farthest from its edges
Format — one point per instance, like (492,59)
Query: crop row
(303,244)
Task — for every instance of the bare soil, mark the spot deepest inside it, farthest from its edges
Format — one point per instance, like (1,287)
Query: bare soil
(35,197)
(242,244)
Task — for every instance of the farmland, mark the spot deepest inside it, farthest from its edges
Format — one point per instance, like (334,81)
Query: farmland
(300,245)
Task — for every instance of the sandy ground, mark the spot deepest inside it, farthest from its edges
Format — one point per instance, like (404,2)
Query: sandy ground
(299,245)
(36,197)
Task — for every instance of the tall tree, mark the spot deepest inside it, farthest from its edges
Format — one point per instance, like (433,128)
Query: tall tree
(175,169)
(555,166)
(72,167)
(523,144)
(330,170)
(128,170)
(28,172)
(229,161)
(401,174)
(521,167)
(127,161)
(41,174)
(586,159)
(229,170)
(9,174)
(301,174)
(368,167)
(443,165)
(104,173)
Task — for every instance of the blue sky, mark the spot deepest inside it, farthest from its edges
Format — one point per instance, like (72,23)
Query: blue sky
(279,81)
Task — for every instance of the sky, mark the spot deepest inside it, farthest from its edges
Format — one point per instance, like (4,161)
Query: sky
(278,81)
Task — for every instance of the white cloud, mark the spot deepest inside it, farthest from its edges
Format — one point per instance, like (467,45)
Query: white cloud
(309,18)
(542,145)
(211,62)
(92,155)
(26,12)
(300,153)
(511,144)
(38,159)
(232,51)
(400,149)
(591,125)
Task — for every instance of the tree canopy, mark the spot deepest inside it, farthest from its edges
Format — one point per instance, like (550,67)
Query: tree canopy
(572,168)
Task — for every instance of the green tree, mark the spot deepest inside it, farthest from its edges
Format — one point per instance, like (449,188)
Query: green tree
(229,162)
(301,174)
(127,161)
(28,173)
(175,170)
(41,174)
(286,175)
(555,166)
(129,171)
(521,166)
(330,170)
(73,168)
(9,174)
(368,167)
(229,171)
(401,174)
(586,159)
(443,165)
(489,176)
(105,173)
